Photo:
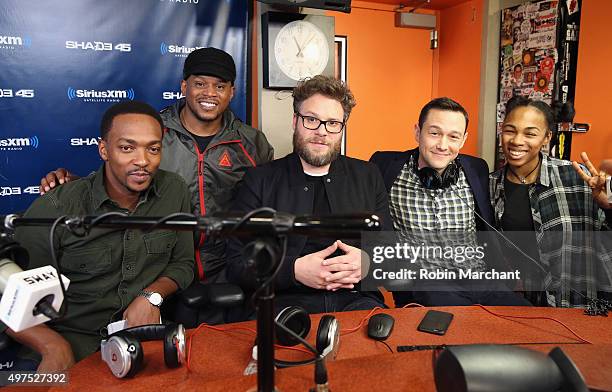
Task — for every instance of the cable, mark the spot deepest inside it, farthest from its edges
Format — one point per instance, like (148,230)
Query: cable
(265,284)
(100,218)
(507,240)
(229,329)
(64,306)
(249,215)
(283,364)
(168,217)
(413,305)
(363,320)
(503,316)
(385,343)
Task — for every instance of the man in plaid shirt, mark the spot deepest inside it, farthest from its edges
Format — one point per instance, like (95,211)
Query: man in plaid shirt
(437,193)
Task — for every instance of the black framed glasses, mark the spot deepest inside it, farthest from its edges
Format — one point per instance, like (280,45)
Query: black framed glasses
(313,123)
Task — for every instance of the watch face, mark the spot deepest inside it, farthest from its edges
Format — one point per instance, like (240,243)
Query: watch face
(301,50)
(156,299)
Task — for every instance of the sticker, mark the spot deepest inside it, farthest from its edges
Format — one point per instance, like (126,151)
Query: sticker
(528,58)
(506,94)
(541,83)
(547,65)
(517,72)
(545,39)
(572,6)
(526,27)
(501,112)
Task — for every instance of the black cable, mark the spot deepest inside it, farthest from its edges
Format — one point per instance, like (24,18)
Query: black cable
(168,217)
(385,343)
(249,215)
(100,218)
(64,305)
(274,273)
(507,240)
(283,364)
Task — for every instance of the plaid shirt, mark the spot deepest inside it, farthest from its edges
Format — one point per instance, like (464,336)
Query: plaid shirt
(565,219)
(428,215)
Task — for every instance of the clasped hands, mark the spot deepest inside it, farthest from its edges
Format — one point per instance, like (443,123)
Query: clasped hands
(319,271)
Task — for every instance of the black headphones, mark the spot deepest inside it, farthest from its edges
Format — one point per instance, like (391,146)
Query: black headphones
(122,351)
(297,320)
(431,179)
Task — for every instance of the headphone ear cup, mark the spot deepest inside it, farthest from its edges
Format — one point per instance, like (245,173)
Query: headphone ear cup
(430,179)
(324,339)
(124,351)
(450,175)
(297,320)
(171,355)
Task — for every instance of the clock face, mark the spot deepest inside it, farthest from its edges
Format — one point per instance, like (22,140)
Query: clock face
(301,50)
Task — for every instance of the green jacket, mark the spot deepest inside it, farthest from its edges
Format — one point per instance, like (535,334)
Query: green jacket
(212,175)
(108,267)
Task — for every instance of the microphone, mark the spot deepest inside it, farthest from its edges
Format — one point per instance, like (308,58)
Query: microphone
(29,297)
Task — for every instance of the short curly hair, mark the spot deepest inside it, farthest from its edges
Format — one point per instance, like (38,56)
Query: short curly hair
(327,86)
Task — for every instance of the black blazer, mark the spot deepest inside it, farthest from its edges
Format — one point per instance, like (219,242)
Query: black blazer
(390,164)
(352,186)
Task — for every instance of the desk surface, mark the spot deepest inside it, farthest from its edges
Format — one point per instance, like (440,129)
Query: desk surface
(219,358)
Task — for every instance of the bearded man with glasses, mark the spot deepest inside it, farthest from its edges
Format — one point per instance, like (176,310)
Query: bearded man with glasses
(318,274)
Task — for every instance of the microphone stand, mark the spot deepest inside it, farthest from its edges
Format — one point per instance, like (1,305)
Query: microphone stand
(264,252)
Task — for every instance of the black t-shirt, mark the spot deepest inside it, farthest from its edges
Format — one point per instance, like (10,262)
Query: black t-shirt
(320,208)
(202,141)
(517,223)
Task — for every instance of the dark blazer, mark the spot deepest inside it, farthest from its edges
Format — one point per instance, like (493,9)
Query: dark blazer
(352,186)
(390,164)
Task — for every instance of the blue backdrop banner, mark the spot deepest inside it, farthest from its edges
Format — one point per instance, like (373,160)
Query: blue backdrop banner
(64,62)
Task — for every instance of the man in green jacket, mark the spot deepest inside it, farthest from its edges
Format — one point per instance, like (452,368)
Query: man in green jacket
(114,274)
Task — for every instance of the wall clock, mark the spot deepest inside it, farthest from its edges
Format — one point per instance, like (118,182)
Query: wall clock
(296,46)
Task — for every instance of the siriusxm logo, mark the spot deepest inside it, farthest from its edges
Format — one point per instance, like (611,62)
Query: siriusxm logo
(11,42)
(177,50)
(15,190)
(99,46)
(100,95)
(18,143)
(171,95)
(88,141)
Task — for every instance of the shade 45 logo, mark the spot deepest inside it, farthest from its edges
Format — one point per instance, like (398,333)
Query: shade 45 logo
(14,42)
(18,143)
(14,93)
(86,141)
(15,190)
(100,95)
(172,95)
(99,46)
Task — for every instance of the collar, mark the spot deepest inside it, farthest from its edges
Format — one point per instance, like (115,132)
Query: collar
(297,177)
(543,176)
(99,195)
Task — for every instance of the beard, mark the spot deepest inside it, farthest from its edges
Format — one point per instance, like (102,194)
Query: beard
(300,146)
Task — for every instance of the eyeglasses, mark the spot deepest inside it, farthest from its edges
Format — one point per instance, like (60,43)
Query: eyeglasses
(313,123)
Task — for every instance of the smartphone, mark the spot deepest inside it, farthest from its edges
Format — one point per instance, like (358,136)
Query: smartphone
(435,322)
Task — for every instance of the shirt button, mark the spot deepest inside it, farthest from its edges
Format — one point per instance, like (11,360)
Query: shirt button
(305,189)
(129,267)
(123,291)
(329,180)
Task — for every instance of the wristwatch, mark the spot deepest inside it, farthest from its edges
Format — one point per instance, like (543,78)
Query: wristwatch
(154,298)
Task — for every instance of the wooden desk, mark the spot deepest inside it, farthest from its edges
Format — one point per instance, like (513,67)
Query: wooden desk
(219,358)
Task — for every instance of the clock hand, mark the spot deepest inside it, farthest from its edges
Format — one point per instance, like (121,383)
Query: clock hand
(306,44)
(298,46)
